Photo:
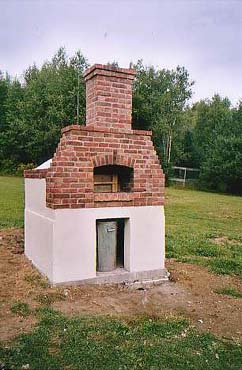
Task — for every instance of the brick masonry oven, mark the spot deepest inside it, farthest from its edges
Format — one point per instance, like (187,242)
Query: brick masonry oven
(105,149)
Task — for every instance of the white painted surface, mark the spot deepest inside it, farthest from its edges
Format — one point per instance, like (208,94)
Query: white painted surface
(44,165)
(38,227)
(39,242)
(74,254)
(62,243)
(35,197)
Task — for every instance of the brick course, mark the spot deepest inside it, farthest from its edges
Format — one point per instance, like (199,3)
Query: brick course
(107,139)
(109,96)
(35,174)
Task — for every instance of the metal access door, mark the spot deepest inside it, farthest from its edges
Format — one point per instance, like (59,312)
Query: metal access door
(106,245)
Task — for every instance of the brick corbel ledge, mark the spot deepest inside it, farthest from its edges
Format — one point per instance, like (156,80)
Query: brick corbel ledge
(93,128)
(35,174)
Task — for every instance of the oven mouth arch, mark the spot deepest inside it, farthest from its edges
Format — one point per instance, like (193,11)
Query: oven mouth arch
(113,179)
(113,159)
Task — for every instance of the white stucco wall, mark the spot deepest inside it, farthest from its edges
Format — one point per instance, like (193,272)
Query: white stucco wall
(62,243)
(35,197)
(38,227)
(74,253)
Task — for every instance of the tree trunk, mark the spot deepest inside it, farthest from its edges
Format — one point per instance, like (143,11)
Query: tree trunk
(169,148)
(170,141)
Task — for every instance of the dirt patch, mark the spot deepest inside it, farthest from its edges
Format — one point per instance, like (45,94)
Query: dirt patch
(20,282)
(222,240)
(220,314)
(13,240)
(190,294)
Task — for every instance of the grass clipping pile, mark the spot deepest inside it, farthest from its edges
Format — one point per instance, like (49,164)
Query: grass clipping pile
(192,293)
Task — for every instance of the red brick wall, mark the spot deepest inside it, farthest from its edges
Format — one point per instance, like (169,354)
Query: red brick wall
(35,174)
(107,139)
(109,96)
(69,181)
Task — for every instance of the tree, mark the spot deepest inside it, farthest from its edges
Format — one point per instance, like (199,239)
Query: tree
(37,109)
(160,97)
(213,117)
(12,137)
(206,135)
(4,85)
(216,143)
(222,168)
(51,100)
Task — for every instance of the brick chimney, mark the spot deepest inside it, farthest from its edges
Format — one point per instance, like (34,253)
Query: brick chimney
(109,96)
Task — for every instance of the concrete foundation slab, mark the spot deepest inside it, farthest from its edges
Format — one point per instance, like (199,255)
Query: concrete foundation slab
(123,276)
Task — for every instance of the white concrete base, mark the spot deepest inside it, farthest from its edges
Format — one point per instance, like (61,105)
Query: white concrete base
(123,276)
(62,243)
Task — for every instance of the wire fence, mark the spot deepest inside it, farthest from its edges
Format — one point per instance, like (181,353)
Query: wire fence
(184,175)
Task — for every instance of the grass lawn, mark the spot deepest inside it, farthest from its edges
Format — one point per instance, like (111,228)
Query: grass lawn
(205,228)
(202,228)
(11,201)
(89,343)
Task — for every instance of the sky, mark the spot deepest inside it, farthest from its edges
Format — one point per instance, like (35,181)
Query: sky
(203,36)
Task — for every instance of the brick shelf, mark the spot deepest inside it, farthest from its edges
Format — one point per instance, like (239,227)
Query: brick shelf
(113,197)
(35,174)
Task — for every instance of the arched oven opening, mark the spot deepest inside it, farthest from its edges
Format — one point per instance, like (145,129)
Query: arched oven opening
(113,179)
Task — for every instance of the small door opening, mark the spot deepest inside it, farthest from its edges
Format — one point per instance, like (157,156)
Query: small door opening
(110,244)
(120,243)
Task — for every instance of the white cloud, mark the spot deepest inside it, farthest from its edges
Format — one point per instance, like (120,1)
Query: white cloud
(203,36)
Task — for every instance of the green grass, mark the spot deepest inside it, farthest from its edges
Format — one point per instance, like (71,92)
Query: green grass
(228,290)
(86,343)
(202,228)
(48,299)
(11,202)
(21,309)
(205,228)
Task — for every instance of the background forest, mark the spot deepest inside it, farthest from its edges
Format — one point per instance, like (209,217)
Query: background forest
(206,135)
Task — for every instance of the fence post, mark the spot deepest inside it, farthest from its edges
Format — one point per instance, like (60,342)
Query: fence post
(184,178)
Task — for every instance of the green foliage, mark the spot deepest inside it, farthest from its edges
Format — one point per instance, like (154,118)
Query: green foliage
(4,85)
(22,167)
(230,291)
(213,117)
(21,308)
(215,144)
(35,111)
(222,168)
(100,343)
(227,265)
(48,299)
(159,99)
(206,135)
(7,167)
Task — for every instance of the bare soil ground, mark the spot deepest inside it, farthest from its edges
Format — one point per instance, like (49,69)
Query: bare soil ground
(190,293)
